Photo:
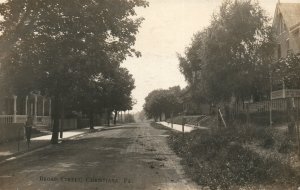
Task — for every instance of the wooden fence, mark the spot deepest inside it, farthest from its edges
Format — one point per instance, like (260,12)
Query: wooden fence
(280,105)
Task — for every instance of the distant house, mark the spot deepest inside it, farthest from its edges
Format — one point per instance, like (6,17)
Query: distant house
(286,24)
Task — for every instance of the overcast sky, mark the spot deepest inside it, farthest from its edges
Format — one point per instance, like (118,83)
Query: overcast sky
(168,28)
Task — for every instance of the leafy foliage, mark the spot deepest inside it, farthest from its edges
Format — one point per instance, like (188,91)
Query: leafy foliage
(288,69)
(231,56)
(219,160)
(162,101)
(59,48)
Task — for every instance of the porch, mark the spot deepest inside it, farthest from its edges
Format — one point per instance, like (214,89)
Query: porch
(14,109)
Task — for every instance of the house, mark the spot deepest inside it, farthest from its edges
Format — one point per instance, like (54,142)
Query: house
(286,24)
(14,109)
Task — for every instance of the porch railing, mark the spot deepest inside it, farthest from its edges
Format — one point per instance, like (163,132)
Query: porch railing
(285,93)
(5,119)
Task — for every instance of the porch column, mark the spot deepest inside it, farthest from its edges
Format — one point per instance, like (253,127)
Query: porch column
(43,110)
(49,114)
(15,109)
(35,107)
(26,102)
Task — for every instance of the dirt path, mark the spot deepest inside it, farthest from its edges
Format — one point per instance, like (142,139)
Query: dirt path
(134,156)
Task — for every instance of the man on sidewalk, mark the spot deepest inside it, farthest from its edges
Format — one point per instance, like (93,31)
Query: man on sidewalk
(28,128)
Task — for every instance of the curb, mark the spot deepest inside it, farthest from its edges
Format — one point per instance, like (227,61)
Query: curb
(24,153)
(42,147)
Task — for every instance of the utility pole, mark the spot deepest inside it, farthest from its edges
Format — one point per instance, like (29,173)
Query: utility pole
(297,129)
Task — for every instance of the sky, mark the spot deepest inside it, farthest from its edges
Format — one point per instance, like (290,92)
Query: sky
(168,29)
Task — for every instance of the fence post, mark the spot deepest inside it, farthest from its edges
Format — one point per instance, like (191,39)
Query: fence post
(248,117)
(15,109)
(19,138)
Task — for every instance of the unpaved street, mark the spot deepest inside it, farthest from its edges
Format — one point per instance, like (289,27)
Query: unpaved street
(134,156)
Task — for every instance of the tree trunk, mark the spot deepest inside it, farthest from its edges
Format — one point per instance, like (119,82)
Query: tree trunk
(55,114)
(108,118)
(62,119)
(115,117)
(159,117)
(91,117)
(122,116)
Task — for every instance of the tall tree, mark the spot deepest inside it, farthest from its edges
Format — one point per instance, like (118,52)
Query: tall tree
(118,92)
(233,52)
(56,46)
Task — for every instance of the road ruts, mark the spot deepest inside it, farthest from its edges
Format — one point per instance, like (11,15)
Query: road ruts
(129,157)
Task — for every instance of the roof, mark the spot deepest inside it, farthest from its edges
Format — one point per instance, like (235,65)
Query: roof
(290,13)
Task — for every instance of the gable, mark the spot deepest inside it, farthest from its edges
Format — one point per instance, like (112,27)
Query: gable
(287,14)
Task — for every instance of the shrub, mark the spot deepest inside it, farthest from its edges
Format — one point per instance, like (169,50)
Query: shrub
(286,146)
(218,159)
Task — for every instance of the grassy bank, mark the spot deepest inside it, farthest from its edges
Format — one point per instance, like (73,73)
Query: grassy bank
(220,158)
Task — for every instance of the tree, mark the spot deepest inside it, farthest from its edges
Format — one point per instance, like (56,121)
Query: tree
(288,69)
(141,115)
(162,101)
(56,46)
(151,107)
(233,52)
(118,92)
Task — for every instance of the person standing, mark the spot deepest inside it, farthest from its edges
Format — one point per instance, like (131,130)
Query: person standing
(28,128)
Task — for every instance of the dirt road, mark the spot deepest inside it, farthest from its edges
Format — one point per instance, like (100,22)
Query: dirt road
(134,156)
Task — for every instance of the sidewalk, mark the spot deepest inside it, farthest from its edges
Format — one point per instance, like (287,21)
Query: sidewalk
(187,128)
(14,148)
